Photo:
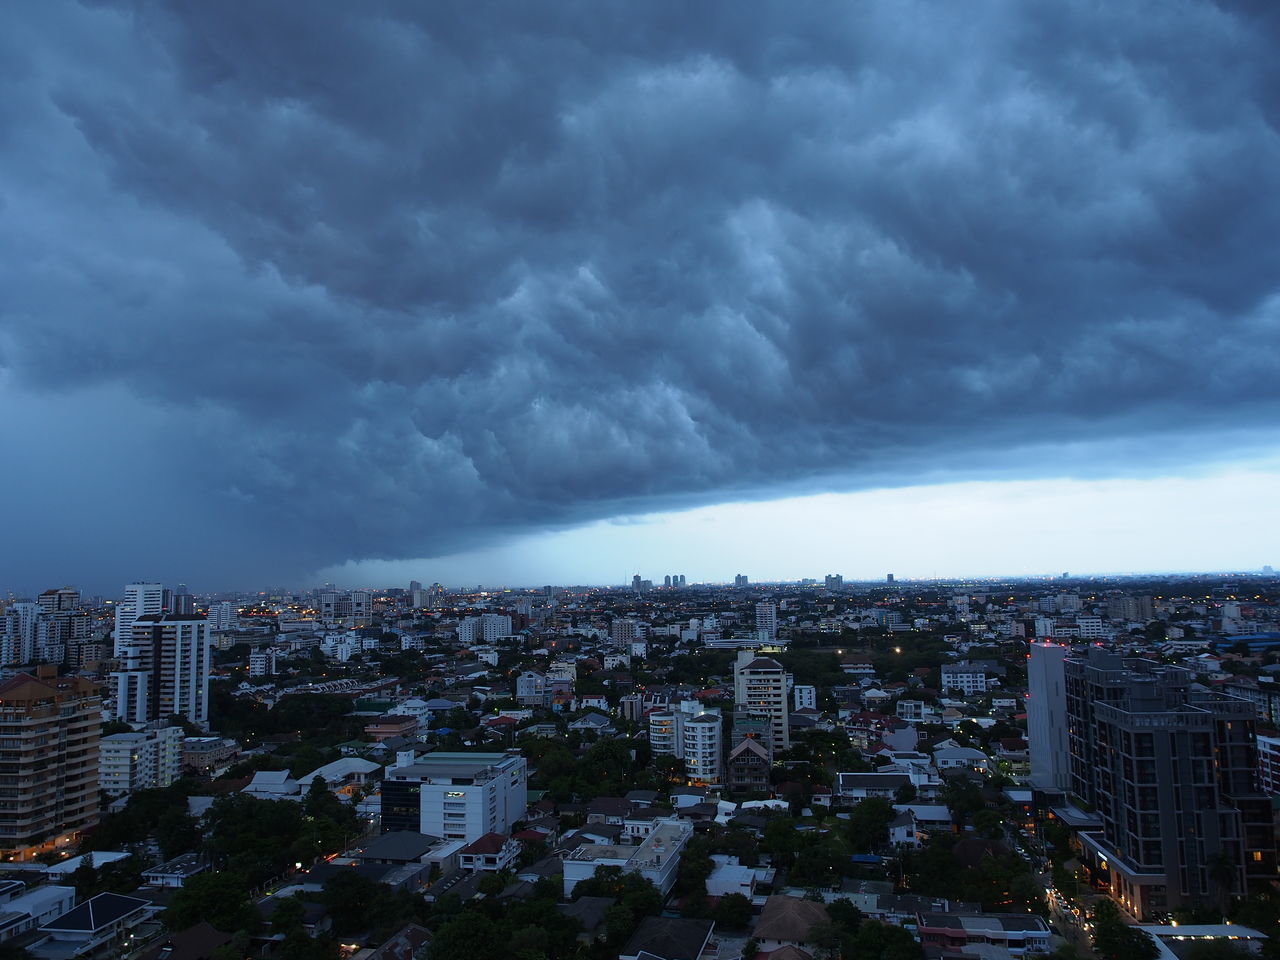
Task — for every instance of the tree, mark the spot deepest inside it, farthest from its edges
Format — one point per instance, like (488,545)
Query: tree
(177,832)
(470,936)
(1113,939)
(288,915)
(734,911)
(868,828)
(221,898)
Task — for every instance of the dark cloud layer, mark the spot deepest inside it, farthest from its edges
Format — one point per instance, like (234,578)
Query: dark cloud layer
(359,280)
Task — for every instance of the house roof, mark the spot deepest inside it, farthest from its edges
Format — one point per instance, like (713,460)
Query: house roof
(669,938)
(489,843)
(398,845)
(97,913)
(789,918)
(193,943)
(588,911)
(404,944)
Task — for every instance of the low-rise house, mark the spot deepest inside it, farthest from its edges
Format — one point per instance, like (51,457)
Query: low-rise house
(22,910)
(194,943)
(175,872)
(789,921)
(669,938)
(492,852)
(983,934)
(101,923)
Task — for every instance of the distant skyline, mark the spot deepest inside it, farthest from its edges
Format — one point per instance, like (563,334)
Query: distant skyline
(551,293)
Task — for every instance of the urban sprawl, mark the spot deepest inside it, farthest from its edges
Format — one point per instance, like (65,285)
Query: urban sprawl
(662,770)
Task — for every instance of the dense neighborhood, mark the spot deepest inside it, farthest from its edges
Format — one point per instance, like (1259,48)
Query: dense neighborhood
(661,771)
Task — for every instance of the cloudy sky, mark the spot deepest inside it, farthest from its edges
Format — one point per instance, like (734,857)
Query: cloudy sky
(509,292)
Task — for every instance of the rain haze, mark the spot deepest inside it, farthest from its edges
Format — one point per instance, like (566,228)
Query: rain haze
(524,293)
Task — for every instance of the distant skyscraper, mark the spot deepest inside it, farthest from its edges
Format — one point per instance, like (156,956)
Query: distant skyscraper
(682,581)
(140,599)
(741,580)
(18,632)
(666,581)
(223,616)
(834,581)
(183,602)
(888,578)
(767,620)
(636,582)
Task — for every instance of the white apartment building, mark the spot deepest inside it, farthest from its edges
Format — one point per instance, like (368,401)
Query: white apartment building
(486,628)
(139,761)
(457,796)
(1091,628)
(139,599)
(968,679)
(223,616)
(760,685)
(262,663)
(805,696)
(693,733)
(18,632)
(166,670)
(703,748)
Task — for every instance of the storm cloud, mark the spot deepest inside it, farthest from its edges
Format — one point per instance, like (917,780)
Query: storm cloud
(286,285)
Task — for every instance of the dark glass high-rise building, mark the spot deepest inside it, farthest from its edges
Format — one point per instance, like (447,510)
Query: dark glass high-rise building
(1170,767)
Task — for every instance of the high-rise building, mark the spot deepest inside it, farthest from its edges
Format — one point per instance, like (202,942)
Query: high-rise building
(18,632)
(741,580)
(767,620)
(760,685)
(166,670)
(1171,769)
(1047,717)
(834,581)
(354,606)
(49,766)
(223,616)
(183,601)
(139,599)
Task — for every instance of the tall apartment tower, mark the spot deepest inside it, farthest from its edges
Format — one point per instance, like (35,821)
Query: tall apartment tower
(139,599)
(1171,769)
(18,632)
(767,620)
(1047,717)
(760,686)
(741,580)
(166,670)
(49,766)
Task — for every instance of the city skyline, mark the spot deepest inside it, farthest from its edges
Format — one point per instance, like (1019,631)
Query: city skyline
(307,290)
